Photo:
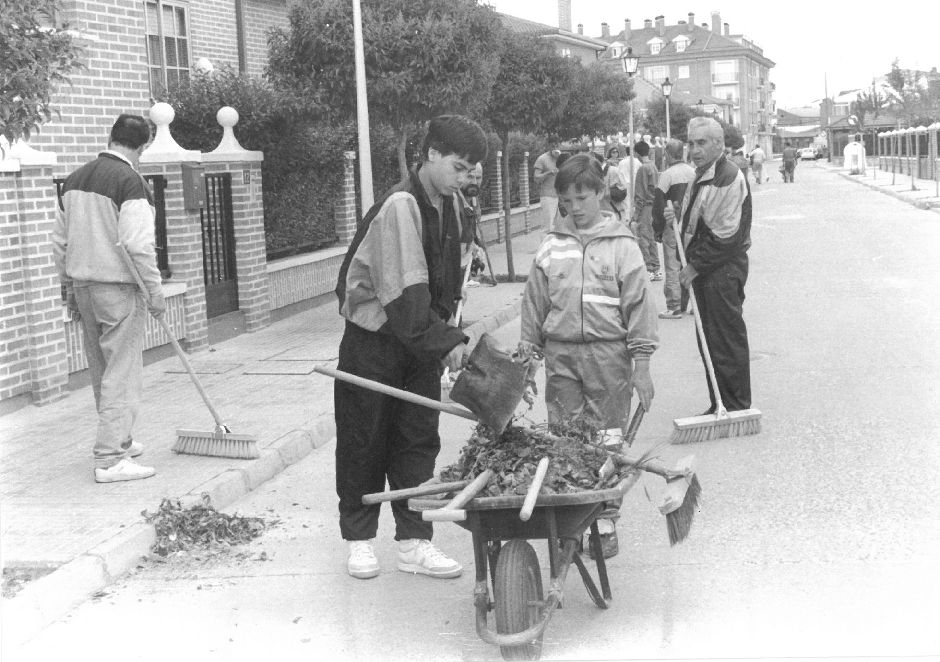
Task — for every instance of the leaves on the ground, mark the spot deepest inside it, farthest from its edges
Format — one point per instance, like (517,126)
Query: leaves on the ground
(199,527)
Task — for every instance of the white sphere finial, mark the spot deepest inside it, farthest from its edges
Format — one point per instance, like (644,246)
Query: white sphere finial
(162,115)
(227,117)
(204,65)
(164,147)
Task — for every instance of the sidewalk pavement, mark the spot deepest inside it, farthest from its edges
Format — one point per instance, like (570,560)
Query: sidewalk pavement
(921,193)
(73,537)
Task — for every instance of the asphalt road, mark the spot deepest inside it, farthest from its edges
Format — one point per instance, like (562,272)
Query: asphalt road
(819,537)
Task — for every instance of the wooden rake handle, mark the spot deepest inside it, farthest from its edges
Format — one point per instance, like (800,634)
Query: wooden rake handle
(453,511)
(407,396)
(409,492)
(533,494)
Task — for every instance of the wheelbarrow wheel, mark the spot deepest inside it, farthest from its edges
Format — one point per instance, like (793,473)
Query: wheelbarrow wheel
(518,597)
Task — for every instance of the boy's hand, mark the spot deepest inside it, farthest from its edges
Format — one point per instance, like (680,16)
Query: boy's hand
(456,358)
(642,383)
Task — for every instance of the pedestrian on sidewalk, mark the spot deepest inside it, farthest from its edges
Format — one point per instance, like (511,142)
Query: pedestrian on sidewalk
(615,187)
(716,234)
(757,158)
(789,163)
(543,172)
(103,203)
(642,219)
(588,308)
(398,287)
(670,190)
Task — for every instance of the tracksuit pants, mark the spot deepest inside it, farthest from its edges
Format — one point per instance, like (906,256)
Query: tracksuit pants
(379,437)
(114,317)
(720,299)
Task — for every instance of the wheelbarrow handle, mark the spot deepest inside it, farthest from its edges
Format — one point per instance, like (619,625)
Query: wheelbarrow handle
(453,511)
(409,492)
(385,389)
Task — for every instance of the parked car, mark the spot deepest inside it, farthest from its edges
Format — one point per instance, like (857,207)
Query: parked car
(807,154)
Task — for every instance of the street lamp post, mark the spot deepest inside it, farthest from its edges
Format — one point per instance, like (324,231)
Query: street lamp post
(667,90)
(630,63)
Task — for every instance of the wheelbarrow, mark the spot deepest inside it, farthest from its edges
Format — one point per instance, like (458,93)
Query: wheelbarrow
(505,559)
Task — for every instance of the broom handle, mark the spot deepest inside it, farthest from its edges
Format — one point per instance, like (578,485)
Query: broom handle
(407,396)
(453,511)
(171,335)
(699,329)
(466,277)
(532,494)
(409,492)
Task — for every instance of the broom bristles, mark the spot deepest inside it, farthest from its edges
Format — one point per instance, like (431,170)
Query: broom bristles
(679,521)
(216,444)
(712,426)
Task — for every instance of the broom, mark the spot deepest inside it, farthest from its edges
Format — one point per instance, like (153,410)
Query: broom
(722,423)
(680,500)
(221,442)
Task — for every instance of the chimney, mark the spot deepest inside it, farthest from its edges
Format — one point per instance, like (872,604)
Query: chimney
(626,29)
(647,24)
(605,31)
(691,21)
(661,25)
(716,22)
(727,29)
(564,15)
(580,28)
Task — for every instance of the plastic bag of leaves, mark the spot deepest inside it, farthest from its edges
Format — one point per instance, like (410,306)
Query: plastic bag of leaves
(201,526)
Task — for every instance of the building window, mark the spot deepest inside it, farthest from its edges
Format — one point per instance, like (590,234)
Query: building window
(656,75)
(167,46)
(656,47)
(683,71)
(725,71)
(566,52)
(681,43)
(616,49)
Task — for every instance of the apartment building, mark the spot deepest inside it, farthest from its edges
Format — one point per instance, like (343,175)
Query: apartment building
(705,62)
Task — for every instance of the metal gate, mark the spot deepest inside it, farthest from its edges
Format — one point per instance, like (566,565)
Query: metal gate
(218,246)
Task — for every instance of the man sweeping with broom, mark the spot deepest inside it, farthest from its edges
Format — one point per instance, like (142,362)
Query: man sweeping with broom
(716,234)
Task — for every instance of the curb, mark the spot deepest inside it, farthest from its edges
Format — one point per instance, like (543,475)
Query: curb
(45,600)
(919,204)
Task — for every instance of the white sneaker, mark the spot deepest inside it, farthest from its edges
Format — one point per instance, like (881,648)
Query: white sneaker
(126,469)
(362,563)
(421,557)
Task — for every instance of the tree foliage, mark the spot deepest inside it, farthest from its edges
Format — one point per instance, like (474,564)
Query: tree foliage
(907,95)
(654,123)
(34,59)
(422,58)
(597,102)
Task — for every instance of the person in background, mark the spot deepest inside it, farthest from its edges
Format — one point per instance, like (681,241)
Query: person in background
(615,195)
(670,190)
(757,158)
(105,203)
(716,234)
(658,153)
(588,309)
(737,158)
(644,194)
(544,170)
(398,289)
(789,162)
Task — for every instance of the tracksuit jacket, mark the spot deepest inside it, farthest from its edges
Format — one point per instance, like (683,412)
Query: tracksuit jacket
(401,276)
(716,218)
(596,291)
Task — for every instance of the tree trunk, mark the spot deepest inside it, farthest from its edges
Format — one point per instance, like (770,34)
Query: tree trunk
(507,208)
(402,143)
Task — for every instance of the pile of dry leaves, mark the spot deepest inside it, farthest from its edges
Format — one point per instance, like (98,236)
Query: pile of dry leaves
(575,458)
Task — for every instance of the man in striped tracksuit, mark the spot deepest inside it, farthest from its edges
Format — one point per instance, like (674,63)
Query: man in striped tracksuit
(398,287)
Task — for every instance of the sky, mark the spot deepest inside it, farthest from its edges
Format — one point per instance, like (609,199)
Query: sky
(842,44)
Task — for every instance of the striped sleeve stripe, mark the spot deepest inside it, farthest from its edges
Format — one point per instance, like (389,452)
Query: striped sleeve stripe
(559,255)
(598,298)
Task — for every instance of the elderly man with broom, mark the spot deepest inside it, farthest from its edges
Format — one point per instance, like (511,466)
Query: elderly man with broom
(715,237)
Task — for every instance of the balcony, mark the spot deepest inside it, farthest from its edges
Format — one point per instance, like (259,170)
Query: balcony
(723,77)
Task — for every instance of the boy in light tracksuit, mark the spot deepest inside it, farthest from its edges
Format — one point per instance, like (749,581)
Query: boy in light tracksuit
(588,307)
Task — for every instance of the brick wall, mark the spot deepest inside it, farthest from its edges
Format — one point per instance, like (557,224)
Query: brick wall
(32,338)
(212,29)
(259,17)
(115,80)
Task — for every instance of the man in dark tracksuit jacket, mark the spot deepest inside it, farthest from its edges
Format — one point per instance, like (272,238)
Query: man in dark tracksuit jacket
(716,234)
(398,287)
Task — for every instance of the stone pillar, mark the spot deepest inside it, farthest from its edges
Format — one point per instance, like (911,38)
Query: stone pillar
(183,227)
(344,214)
(934,149)
(248,211)
(524,188)
(33,356)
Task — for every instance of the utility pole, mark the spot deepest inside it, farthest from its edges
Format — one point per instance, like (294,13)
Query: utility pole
(362,114)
